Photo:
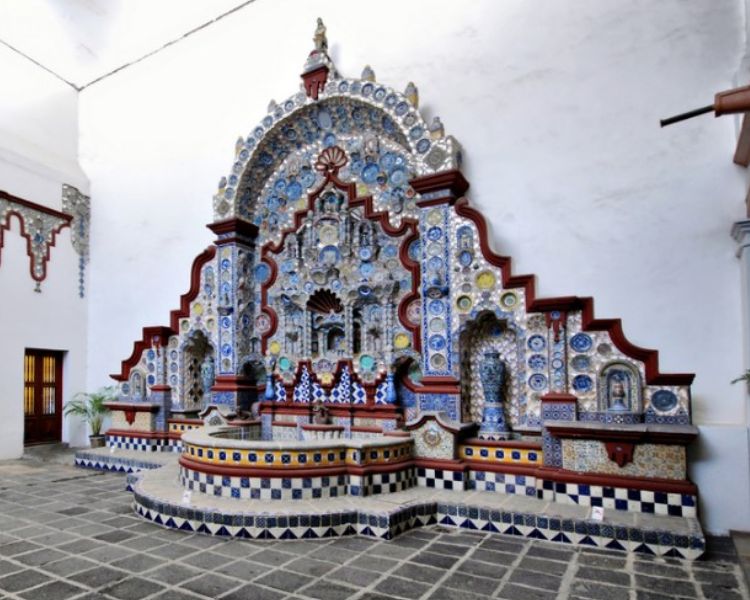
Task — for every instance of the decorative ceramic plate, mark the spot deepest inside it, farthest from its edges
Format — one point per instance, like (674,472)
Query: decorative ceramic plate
(401,341)
(485,280)
(582,383)
(464,303)
(537,382)
(436,342)
(438,362)
(537,343)
(663,400)
(537,362)
(508,300)
(580,363)
(581,342)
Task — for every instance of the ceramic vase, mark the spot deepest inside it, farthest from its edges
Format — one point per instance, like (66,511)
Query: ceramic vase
(492,377)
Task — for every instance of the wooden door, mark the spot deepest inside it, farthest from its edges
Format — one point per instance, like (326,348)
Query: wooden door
(42,396)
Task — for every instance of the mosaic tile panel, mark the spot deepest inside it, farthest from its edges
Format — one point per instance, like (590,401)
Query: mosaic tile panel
(649,460)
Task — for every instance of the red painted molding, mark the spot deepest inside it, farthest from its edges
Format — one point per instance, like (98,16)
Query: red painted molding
(150,337)
(433,385)
(285,471)
(134,406)
(34,206)
(640,434)
(650,358)
(314,427)
(5,226)
(452,182)
(677,486)
(314,81)
(283,424)
(441,464)
(232,383)
(528,470)
(562,398)
(244,230)
(408,226)
(502,443)
(162,333)
(620,452)
(195,287)
(151,435)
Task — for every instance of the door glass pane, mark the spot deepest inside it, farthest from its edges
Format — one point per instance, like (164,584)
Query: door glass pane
(29,365)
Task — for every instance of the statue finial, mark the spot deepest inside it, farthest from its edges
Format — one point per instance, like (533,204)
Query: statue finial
(238,145)
(368,74)
(412,95)
(320,40)
(436,129)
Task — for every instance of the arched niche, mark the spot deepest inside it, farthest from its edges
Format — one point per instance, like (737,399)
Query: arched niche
(194,351)
(487,333)
(619,388)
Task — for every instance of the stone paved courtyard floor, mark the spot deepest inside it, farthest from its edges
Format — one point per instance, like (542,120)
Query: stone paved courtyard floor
(69,533)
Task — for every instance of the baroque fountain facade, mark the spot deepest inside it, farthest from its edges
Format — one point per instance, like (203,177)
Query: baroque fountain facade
(351,333)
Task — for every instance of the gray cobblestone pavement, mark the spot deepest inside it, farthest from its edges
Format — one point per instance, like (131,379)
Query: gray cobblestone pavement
(69,533)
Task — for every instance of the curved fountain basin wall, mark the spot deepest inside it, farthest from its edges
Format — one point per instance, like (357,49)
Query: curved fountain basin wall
(217,465)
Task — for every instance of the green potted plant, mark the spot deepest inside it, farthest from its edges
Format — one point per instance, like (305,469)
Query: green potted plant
(90,407)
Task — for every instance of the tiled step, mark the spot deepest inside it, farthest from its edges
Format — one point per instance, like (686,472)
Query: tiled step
(161,499)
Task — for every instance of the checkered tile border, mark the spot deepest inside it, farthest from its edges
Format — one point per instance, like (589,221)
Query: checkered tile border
(264,488)
(382,483)
(631,500)
(505,483)
(124,442)
(388,525)
(297,488)
(441,479)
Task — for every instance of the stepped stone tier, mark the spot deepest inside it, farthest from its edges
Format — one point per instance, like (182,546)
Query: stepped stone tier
(351,334)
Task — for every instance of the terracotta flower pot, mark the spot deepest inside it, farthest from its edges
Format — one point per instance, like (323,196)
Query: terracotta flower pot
(96,441)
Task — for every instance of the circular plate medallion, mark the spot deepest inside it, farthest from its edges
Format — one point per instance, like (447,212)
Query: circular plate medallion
(401,341)
(582,383)
(537,343)
(663,400)
(581,342)
(508,300)
(485,280)
(431,438)
(438,362)
(537,382)
(464,303)
(367,362)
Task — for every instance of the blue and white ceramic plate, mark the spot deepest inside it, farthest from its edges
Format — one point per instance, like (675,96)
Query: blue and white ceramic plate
(581,342)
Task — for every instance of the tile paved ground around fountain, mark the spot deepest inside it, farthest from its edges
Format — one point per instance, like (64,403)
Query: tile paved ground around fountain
(70,533)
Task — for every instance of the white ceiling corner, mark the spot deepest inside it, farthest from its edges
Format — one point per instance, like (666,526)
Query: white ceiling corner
(82,40)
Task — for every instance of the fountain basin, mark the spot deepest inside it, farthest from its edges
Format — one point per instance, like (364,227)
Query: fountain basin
(219,462)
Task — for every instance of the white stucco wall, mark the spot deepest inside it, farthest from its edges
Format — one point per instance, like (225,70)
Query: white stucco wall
(557,107)
(38,153)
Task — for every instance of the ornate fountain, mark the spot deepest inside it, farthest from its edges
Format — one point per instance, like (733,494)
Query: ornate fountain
(350,332)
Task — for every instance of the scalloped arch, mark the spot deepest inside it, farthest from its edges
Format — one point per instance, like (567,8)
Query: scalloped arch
(254,164)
